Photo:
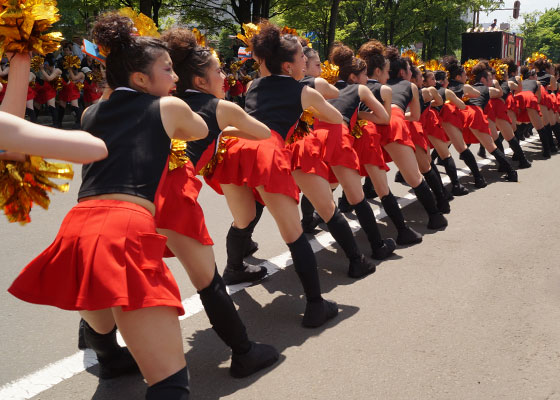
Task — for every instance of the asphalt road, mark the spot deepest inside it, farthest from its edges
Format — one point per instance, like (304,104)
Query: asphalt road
(471,313)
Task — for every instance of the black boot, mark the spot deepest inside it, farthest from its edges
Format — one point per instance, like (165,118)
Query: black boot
(30,112)
(77,116)
(447,194)
(343,204)
(499,142)
(399,178)
(54,115)
(381,248)
(518,153)
(556,131)
(309,218)
(451,170)
(505,165)
(174,387)
(236,270)
(247,357)
(426,198)
(544,142)
(369,190)
(481,151)
(550,137)
(360,266)
(114,360)
(317,310)
(253,246)
(519,132)
(405,235)
(61,112)
(528,130)
(435,185)
(469,159)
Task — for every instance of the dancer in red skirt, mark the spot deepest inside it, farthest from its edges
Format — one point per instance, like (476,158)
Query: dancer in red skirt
(106,259)
(528,99)
(421,142)
(547,79)
(179,216)
(337,141)
(434,124)
(453,117)
(70,93)
(369,144)
(92,92)
(397,141)
(50,74)
(265,166)
(476,125)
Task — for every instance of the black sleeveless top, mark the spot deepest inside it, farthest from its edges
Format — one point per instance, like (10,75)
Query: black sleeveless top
(203,104)
(544,78)
(130,125)
(423,104)
(275,101)
(506,89)
(441,91)
(529,85)
(484,97)
(456,87)
(347,102)
(375,87)
(308,81)
(402,92)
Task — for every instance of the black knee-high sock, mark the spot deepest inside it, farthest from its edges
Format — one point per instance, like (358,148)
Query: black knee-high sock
(61,111)
(54,114)
(77,113)
(434,168)
(499,142)
(543,135)
(516,148)
(259,208)
(468,157)
(223,316)
(393,210)
(30,112)
(305,265)
(502,160)
(237,241)
(426,197)
(174,387)
(341,232)
(367,220)
(556,131)
(451,170)
(435,185)
(307,209)
(550,138)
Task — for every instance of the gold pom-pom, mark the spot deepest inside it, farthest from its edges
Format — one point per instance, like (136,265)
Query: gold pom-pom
(37,62)
(329,72)
(80,86)
(177,156)
(250,31)
(24,183)
(231,80)
(218,157)
(413,56)
(72,62)
(23,23)
(97,76)
(500,67)
(434,65)
(469,65)
(59,84)
(143,24)
(357,129)
(289,31)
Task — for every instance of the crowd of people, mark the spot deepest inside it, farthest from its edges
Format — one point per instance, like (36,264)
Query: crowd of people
(297,133)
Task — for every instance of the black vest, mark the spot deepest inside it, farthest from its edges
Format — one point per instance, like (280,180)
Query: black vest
(441,90)
(130,125)
(308,81)
(484,97)
(456,87)
(275,101)
(529,85)
(506,89)
(203,104)
(347,102)
(375,87)
(402,92)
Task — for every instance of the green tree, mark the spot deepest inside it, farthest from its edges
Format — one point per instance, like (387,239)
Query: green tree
(541,32)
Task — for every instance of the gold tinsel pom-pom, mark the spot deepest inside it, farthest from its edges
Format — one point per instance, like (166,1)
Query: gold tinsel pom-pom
(218,157)
(72,62)
(289,31)
(250,31)
(80,86)
(329,72)
(414,57)
(536,56)
(177,156)
(469,65)
(500,67)
(24,183)
(434,65)
(37,62)
(59,84)
(23,23)
(144,25)
(97,76)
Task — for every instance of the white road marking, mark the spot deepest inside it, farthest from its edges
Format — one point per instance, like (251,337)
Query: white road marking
(51,375)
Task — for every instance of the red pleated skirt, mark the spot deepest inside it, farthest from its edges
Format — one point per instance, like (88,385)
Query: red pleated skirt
(106,254)
(526,100)
(431,124)
(489,111)
(474,118)
(417,134)
(69,92)
(338,145)
(307,155)
(545,98)
(177,206)
(399,131)
(500,109)
(255,163)
(44,92)
(3,91)
(30,93)
(451,114)
(368,148)
(511,103)
(91,92)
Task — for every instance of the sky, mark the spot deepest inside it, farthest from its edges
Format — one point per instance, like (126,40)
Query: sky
(527,6)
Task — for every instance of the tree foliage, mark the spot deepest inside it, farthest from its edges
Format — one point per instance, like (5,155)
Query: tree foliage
(541,33)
